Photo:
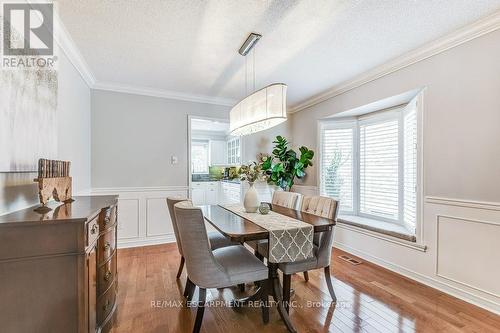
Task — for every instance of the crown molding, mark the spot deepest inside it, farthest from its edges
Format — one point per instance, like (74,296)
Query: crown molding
(66,43)
(477,29)
(145,91)
(63,39)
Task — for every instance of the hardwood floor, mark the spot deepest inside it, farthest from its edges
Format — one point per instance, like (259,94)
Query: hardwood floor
(370,299)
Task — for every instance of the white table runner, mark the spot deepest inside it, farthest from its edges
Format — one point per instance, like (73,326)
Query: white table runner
(289,239)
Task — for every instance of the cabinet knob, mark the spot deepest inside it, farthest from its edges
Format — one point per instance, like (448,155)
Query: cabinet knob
(93,230)
(107,219)
(107,246)
(107,276)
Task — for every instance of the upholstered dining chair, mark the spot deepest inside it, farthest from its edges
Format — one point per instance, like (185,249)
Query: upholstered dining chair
(220,268)
(322,246)
(217,240)
(285,199)
(280,198)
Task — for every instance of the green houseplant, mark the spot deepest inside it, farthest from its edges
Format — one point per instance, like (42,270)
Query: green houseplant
(285,164)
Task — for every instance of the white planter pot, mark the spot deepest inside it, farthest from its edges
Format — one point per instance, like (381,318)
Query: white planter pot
(251,201)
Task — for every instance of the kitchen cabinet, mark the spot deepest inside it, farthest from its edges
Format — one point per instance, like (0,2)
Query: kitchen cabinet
(234,151)
(205,193)
(198,196)
(230,193)
(218,152)
(216,192)
(212,195)
(198,193)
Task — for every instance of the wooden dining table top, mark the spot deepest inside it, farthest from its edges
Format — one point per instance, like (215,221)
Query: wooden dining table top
(239,229)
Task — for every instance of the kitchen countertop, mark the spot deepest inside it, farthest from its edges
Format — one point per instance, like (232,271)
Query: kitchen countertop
(232,181)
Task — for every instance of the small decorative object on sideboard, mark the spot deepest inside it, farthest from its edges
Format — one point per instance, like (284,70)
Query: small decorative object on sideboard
(264,208)
(53,182)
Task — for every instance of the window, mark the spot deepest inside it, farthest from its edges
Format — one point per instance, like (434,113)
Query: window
(199,156)
(233,151)
(369,163)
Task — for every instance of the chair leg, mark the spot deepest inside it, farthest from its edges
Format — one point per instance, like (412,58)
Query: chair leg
(329,283)
(287,282)
(306,276)
(200,311)
(181,266)
(264,298)
(189,290)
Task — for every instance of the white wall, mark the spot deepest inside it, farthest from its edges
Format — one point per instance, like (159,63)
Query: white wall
(461,169)
(17,190)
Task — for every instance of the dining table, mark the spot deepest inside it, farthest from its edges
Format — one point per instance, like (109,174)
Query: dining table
(240,229)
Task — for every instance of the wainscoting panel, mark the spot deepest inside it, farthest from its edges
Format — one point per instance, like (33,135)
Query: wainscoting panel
(465,253)
(128,211)
(158,222)
(143,217)
(462,240)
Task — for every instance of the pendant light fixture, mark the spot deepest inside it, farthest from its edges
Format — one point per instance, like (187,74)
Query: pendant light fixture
(263,108)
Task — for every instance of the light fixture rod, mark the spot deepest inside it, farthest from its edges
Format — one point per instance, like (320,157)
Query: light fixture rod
(249,43)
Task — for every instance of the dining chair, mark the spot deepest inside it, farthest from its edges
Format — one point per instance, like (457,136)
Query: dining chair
(220,268)
(217,240)
(322,246)
(285,199)
(280,198)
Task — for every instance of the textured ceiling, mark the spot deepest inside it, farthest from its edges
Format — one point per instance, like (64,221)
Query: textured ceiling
(189,46)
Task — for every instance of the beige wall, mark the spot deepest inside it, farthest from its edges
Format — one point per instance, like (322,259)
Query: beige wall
(262,142)
(134,136)
(461,117)
(461,196)
(17,190)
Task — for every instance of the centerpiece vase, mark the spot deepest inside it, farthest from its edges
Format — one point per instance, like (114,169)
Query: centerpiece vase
(251,201)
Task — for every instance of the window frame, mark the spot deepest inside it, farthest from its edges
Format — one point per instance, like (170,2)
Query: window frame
(395,112)
(201,143)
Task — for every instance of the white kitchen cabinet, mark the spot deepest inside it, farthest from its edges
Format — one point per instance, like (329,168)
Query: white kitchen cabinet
(234,151)
(212,193)
(198,196)
(211,196)
(230,193)
(218,152)
(205,193)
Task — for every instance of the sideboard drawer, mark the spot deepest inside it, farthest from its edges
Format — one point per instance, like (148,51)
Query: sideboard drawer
(106,274)
(92,231)
(106,245)
(107,217)
(105,303)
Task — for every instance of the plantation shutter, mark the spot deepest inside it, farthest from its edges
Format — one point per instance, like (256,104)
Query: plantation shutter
(337,165)
(410,167)
(379,168)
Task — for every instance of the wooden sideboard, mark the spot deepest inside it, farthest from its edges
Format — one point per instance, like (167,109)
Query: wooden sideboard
(58,270)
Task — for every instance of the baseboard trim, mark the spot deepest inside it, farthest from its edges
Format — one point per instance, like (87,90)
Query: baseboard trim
(145,241)
(426,280)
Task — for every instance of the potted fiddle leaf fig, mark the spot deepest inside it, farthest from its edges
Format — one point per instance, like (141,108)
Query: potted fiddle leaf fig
(284,165)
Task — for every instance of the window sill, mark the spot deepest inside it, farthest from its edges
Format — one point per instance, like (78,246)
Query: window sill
(380,229)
